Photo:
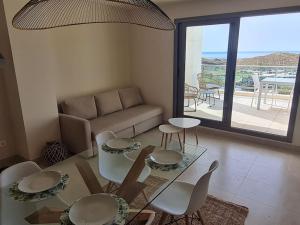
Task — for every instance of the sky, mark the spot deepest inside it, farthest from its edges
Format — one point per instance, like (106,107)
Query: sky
(260,33)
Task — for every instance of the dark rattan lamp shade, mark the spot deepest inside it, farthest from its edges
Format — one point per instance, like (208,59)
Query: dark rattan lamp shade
(45,14)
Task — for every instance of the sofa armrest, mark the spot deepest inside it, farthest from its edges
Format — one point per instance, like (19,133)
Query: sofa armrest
(75,133)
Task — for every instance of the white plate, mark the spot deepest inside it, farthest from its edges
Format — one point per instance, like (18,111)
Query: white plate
(119,143)
(94,210)
(39,182)
(166,157)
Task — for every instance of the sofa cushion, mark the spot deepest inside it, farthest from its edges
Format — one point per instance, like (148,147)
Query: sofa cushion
(130,97)
(83,107)
(108,102)
(121,120)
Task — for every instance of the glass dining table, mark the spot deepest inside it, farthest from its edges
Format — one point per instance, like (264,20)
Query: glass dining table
(16,212)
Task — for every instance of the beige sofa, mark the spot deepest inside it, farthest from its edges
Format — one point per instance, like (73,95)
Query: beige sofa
(122,111)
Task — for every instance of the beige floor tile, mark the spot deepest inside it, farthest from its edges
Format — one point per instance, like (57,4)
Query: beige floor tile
(259,214)
(265,179)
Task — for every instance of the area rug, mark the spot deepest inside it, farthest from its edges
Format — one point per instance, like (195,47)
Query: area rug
(215,211)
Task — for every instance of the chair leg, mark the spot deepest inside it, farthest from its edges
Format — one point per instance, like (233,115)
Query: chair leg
(108,186)
(187,222)
(200,217)
(266,93)
(273,91)
(162,218)
(179,140)
(166,141)
(170,138)
(162,139)
(252,98)
(196,134)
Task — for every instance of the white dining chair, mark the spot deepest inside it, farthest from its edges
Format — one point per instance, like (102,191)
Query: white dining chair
(17,172)
(183,199)
(115,167)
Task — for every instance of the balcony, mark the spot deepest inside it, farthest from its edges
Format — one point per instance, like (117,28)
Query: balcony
(270,115)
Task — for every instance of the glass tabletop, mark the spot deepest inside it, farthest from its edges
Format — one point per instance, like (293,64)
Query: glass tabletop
(162,177)
(15,212)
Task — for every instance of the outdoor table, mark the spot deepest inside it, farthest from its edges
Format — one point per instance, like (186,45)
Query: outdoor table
(284,81)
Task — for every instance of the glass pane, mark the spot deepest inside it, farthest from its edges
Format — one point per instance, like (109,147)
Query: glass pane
(206,59)
(268,55)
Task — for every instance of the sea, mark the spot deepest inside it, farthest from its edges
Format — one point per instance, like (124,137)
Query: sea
(242,54)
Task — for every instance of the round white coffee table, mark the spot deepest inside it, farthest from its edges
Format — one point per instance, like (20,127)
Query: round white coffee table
(186,123)
(167,129)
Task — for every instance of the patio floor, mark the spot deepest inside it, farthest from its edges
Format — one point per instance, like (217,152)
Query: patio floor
(270,118)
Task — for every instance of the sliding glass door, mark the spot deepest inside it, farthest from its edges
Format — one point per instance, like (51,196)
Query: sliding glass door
(239,73)
(268,56)
(205,70)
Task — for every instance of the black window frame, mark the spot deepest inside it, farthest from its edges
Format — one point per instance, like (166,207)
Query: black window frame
(179,69)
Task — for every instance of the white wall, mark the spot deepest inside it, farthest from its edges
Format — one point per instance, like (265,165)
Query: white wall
(153,51)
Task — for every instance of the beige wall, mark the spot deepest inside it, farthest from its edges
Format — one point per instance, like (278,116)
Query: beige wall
(59,63)
(5,121)
(153,51)
(90,58)
(12,126)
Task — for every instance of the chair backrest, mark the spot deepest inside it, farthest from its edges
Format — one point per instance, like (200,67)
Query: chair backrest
(201,81)
(108,161)
(190,90)
(103,137)
(17,172)
(256,81)
(200,191)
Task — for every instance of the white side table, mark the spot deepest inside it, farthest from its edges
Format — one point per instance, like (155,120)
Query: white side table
(167,129)
(186,123)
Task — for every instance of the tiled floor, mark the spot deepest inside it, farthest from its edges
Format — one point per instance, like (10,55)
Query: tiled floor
(271,119)
(265,179)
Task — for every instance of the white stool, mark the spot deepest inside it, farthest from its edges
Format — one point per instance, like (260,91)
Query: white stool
(167,129)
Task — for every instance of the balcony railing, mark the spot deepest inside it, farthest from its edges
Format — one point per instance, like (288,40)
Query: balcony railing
(243,79)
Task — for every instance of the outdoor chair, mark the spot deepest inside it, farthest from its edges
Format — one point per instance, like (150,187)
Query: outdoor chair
(265,89)
(191,93)
(208,90)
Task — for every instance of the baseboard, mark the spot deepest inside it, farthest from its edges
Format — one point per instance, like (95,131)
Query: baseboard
(245,137)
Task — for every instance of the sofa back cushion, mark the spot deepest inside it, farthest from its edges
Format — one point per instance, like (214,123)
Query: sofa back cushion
(130,97)
(108,102)
(83,107)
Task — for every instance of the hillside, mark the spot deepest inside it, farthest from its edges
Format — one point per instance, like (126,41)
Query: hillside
(274,59)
